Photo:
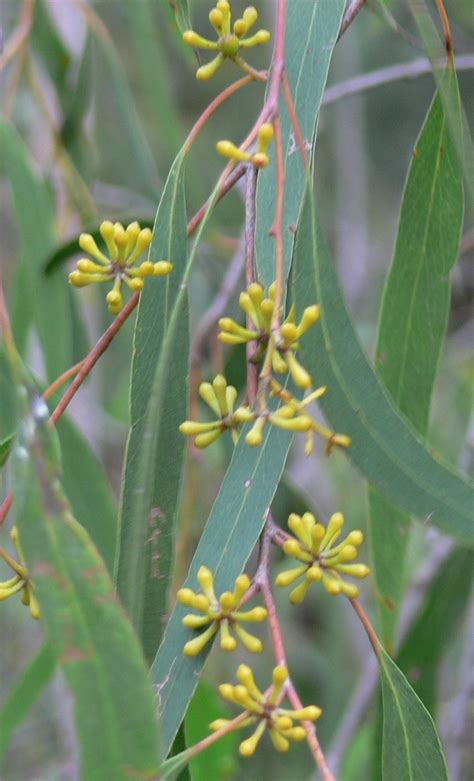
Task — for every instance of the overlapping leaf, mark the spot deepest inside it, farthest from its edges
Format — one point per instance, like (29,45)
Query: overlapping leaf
(384,447)
(36,298)
(155,448)
(311,34)
(413,321)
(227,541)
(87,631)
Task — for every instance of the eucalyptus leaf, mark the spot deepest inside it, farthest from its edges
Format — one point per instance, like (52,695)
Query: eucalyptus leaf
(384,446)
(155,448)
(312,29)
(25,693)
(86,628)
(411,750)
(413,321)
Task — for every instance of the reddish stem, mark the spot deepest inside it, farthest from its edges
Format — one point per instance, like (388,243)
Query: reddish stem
(294,119)
(62,379)
(374,641)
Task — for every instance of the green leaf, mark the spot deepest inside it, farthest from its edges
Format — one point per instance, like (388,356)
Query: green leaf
(153,66)
(311,34)
(43,300)
(437,625)
(226,543)
(85,625)
(384,447)
(5,447)
(411,750)
(140,155)
(218,761)
(25,693)
(413,323)
(88,490)
(50,47)
(155,449)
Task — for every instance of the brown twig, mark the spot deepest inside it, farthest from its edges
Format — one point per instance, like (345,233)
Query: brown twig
(349,15)
(294,120)
(448,38)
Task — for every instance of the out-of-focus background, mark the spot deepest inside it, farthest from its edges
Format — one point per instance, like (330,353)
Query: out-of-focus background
(103,95)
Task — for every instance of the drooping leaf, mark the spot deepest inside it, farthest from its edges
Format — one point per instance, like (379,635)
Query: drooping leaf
(151,58)
(155,448)
(411,750)
(226,543)
(311,34)
(25,693)
(37,299)
(130,125)
(413,322)
(87,630)
(88,490)
(437,625)
(384,447)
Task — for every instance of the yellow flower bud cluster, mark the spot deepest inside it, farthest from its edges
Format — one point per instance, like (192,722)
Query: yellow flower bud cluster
(219,614)
(124,247)
(258,305)
(19,581)
(229,41)
(264,711)
(221,398)
(314,545)
(259,158)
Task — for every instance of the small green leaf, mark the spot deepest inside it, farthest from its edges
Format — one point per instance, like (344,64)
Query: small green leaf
(413,322)
(87,630)
(25,693)
(155,449)
(384,447)
(411,750)
(311,34)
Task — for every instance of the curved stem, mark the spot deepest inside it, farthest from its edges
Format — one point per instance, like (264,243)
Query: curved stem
(62,379)
(365,621)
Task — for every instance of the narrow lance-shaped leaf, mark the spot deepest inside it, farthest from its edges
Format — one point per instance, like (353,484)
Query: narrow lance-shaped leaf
(413,322)
(411,750)
(384,447)
(86,628)
(35,298)
(25,693)
(155,448)
(311,34)
(227,541)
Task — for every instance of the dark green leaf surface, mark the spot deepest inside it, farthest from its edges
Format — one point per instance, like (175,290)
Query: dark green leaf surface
(437,625)
(25,693)
(311,34)
(155,448)
(86,628)
(413,322)
(411,749)
(384,447)
(36,298)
